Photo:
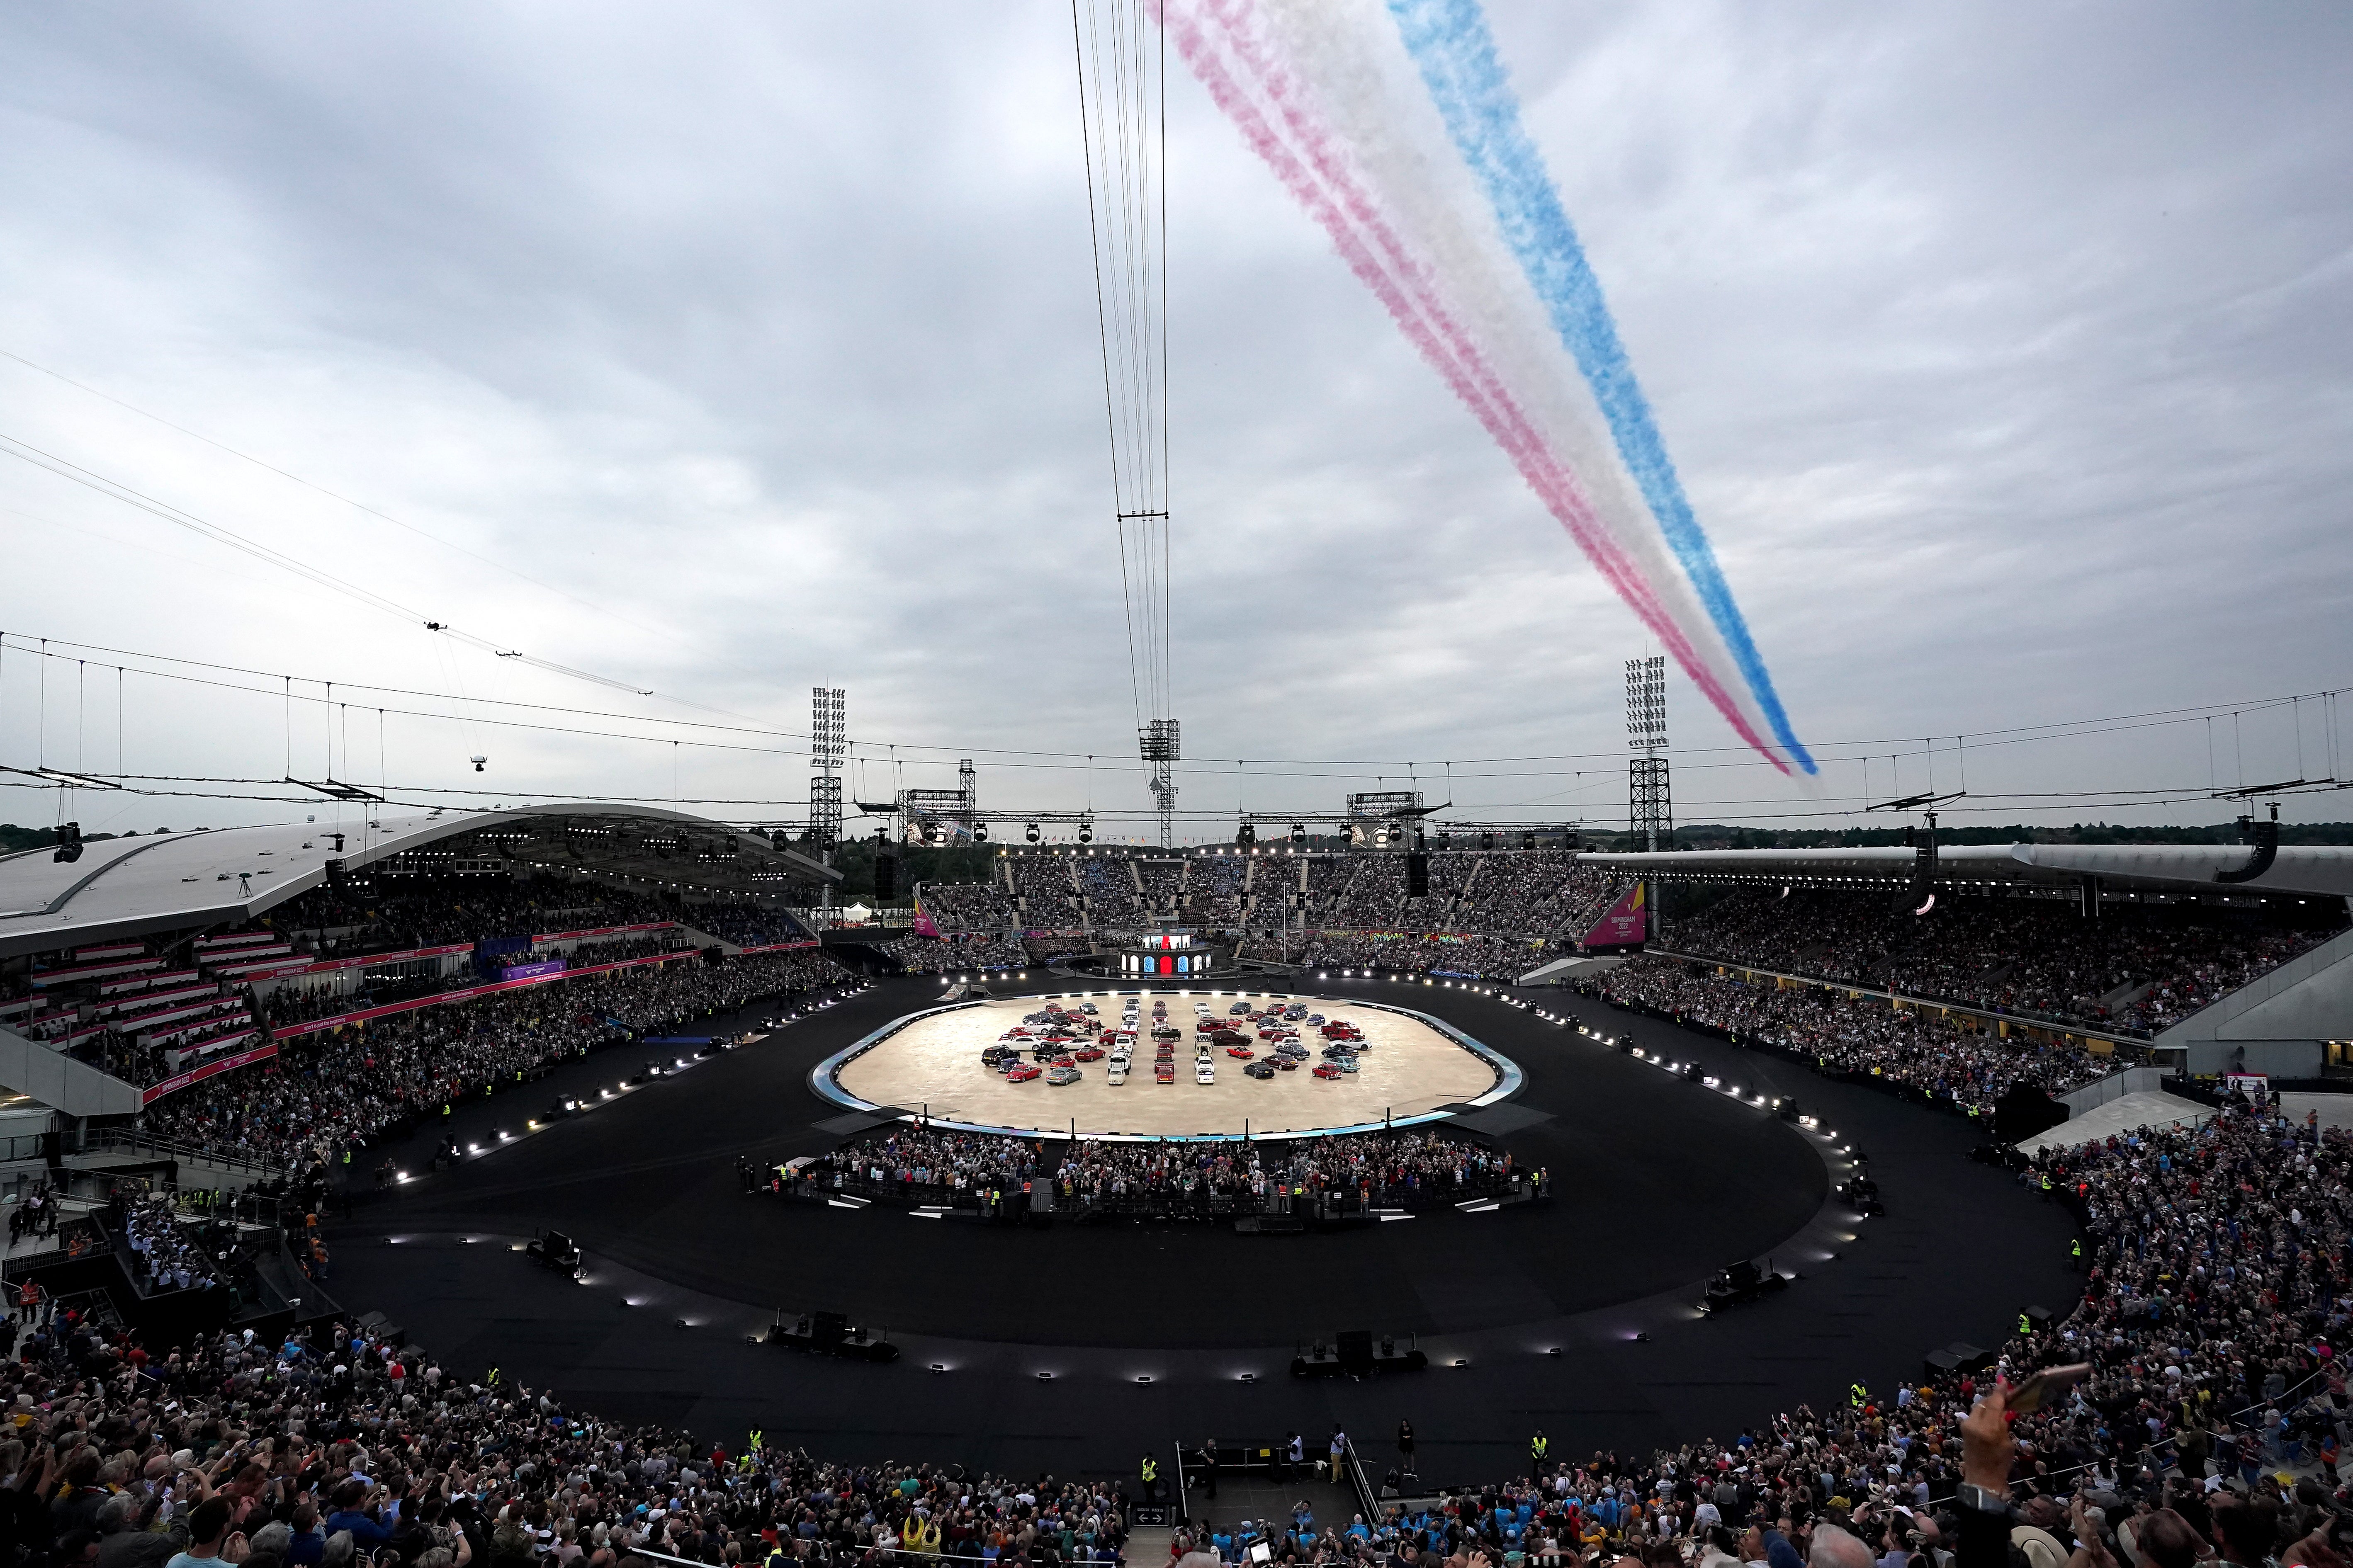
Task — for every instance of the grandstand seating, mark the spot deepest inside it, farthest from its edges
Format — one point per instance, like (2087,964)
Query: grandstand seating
(2133,971)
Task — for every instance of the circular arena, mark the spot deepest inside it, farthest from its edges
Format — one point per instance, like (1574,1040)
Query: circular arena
(1409,1066)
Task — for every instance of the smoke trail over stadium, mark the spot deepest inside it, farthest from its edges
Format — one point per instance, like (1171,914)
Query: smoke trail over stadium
(1400,136)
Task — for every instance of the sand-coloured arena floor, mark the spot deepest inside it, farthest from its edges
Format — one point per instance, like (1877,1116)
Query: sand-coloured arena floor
(935,1062)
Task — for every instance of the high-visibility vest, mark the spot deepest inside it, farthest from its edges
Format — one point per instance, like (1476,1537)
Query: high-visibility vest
(1150,1470)
(2075,1249)
(1536,1447)
(2025,1324)
(1856,1395)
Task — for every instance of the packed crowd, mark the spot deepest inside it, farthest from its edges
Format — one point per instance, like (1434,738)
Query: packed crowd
(959,907)
(343,1450)
(923,1164)
(2133,970)
(392,914)
(165,1255)
(1215,889)
(326,1093)
(1970,1068)
(1108,883)
(743,923)
(295,1002)
(1497,958)
(962,952)
(1050,897)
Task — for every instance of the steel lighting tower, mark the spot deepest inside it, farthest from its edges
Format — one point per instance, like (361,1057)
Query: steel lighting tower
(1158,742)
(829,750)
(1650,805)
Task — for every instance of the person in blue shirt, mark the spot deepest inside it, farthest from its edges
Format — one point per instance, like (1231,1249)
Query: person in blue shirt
(347,1515)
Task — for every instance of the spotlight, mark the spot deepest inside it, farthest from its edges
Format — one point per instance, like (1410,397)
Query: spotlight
(980,833)
(1086,831)
(1299,833)
(478,763)
(1033,833)
(68,848)
(1045,1377)
(939,1366)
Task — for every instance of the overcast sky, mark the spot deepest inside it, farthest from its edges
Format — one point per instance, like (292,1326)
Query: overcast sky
(727,350)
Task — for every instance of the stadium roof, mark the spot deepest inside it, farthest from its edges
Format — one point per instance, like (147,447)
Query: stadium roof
(131,885)
(2298,870)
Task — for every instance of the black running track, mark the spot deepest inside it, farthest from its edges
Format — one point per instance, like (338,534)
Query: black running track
(1660,1181)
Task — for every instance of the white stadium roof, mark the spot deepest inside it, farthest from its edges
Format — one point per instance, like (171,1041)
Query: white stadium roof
(129,886)
(2298,870)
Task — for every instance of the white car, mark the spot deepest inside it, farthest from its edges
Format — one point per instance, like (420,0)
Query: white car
(1118,1074)
(1205,1072)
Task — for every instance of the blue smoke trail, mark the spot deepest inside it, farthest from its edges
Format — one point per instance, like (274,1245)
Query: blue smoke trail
(1450,43)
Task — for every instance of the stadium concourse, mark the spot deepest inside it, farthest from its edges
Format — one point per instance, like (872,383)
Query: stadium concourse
(603,1022)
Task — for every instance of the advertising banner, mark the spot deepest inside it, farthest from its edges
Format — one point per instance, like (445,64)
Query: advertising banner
(369,960)
(533,971)
(1628,923)
(182,1080)
(466,993)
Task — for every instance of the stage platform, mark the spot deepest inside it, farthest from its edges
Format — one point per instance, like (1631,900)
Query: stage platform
(931,1061)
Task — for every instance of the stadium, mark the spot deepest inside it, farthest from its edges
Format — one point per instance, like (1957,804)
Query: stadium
(545,1095)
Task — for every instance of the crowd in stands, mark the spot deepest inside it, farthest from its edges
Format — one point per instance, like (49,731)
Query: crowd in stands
(743,923)
(1109,887)
(295,1003)
(928,1164)
(1216,886)
(341,1449)
(958,907)
(392,914)
(1498,958)
(1050,898)
(1164,885)
(325,1093)
(1950,1058)
(962,952)
(165,1255)
(2129,971)
(2214,1304)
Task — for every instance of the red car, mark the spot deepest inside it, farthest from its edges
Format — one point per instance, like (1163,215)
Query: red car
(1025,1072)
(1326,1069)
(1165,1072)
(1242,1051)
(1088,1054)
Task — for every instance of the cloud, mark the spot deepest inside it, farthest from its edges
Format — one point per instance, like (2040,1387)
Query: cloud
(2001,350)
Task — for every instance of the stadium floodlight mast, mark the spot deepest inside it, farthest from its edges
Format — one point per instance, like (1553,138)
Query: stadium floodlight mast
(828,752)
(1649,802)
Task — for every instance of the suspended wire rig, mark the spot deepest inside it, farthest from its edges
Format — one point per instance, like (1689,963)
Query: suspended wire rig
(1122,75)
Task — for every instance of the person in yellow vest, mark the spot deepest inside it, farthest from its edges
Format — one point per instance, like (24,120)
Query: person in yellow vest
(1857,1395)
(1147,1473)
(2075,1256)
(2025,1324)
(1538,1447)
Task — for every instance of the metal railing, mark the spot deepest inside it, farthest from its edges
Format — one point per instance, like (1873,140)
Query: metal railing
(125,1141)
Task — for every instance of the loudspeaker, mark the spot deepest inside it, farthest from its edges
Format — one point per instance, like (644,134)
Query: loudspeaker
(886,876)
(1356,1346)
(1417,875)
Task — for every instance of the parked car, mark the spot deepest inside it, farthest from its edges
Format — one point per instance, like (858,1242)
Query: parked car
(1022,1072)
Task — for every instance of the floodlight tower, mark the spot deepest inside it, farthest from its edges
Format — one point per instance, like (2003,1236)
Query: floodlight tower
(829,750)
(1159,743)
(1650,805)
